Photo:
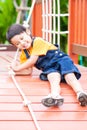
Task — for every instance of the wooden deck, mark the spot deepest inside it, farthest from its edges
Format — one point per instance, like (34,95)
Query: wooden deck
(14,116)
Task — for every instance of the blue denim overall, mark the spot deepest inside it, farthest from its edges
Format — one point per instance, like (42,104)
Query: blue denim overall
(57,61)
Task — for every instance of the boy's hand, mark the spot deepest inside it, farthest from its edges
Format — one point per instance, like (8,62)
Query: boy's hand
(11,72)
(13,66)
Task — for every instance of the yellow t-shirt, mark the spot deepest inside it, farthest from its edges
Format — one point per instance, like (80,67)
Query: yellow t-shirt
(40,47)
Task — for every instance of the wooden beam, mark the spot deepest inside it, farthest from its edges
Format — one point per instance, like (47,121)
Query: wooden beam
(79,49)
(7,47)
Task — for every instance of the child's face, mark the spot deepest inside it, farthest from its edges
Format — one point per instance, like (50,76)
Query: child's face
(22,41)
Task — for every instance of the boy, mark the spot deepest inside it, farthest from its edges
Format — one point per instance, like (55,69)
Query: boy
(55,65)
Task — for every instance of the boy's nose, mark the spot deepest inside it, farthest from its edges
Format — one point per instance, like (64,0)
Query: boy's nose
(25,38)
(22,42)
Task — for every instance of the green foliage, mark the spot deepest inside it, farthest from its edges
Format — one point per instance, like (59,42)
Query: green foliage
(64,6)
(63,25)
(84,61)
(7,17)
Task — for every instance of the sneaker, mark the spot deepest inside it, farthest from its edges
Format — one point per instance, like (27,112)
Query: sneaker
(43,77)
(60,100)
(82,98)
(49,101)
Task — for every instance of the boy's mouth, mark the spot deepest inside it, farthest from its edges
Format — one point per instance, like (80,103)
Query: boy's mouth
(25,46)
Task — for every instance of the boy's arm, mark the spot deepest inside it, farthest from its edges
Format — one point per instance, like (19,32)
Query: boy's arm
(26,65)
(24,72)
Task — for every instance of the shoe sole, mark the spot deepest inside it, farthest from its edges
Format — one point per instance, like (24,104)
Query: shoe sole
(83,99)
(60,102)
(49,102)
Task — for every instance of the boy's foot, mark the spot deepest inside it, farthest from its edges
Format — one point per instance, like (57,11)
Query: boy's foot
(60,100)
(43,77)
(82,98)
(49,101)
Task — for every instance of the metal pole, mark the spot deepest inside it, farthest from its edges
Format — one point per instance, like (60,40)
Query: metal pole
(25,23)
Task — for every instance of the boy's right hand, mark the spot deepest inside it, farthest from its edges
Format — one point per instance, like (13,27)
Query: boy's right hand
(11,72)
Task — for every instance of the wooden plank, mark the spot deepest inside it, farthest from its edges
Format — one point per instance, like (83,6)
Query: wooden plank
(14,115)
(9,91)
(12,107)
(43,116)
(44,125)
(10,47)
(17,125)
(32,91)
(63,125)
(79,49)
(33,99)
(10,99)
(67,107)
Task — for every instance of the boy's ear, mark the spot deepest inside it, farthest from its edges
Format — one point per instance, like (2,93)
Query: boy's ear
(28,31)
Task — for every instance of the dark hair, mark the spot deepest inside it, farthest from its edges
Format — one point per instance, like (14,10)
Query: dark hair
(14,30)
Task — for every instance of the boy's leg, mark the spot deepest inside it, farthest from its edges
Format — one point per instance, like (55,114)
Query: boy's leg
(54,98)
(54,80)
(75,84)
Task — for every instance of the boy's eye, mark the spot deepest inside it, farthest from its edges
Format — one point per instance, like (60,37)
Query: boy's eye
(17,44)
(21,38)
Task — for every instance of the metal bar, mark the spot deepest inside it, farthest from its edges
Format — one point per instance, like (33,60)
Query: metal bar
(62,15)
(50,20)
(54,22)
(56,32)
(20,8)
(59,23)
(46,19)
(28,19)
(19,13)
(26,22)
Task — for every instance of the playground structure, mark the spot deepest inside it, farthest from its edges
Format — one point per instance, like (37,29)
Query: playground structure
(43,24)
(42,21)
(77,40)
(13,115)
(77,27)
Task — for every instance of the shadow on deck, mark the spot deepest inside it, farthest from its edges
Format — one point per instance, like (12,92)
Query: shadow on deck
(14,116)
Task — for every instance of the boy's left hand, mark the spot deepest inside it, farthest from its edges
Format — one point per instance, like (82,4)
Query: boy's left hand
(13,66)
(11,72)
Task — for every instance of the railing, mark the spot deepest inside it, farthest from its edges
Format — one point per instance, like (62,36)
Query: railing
(51,21)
